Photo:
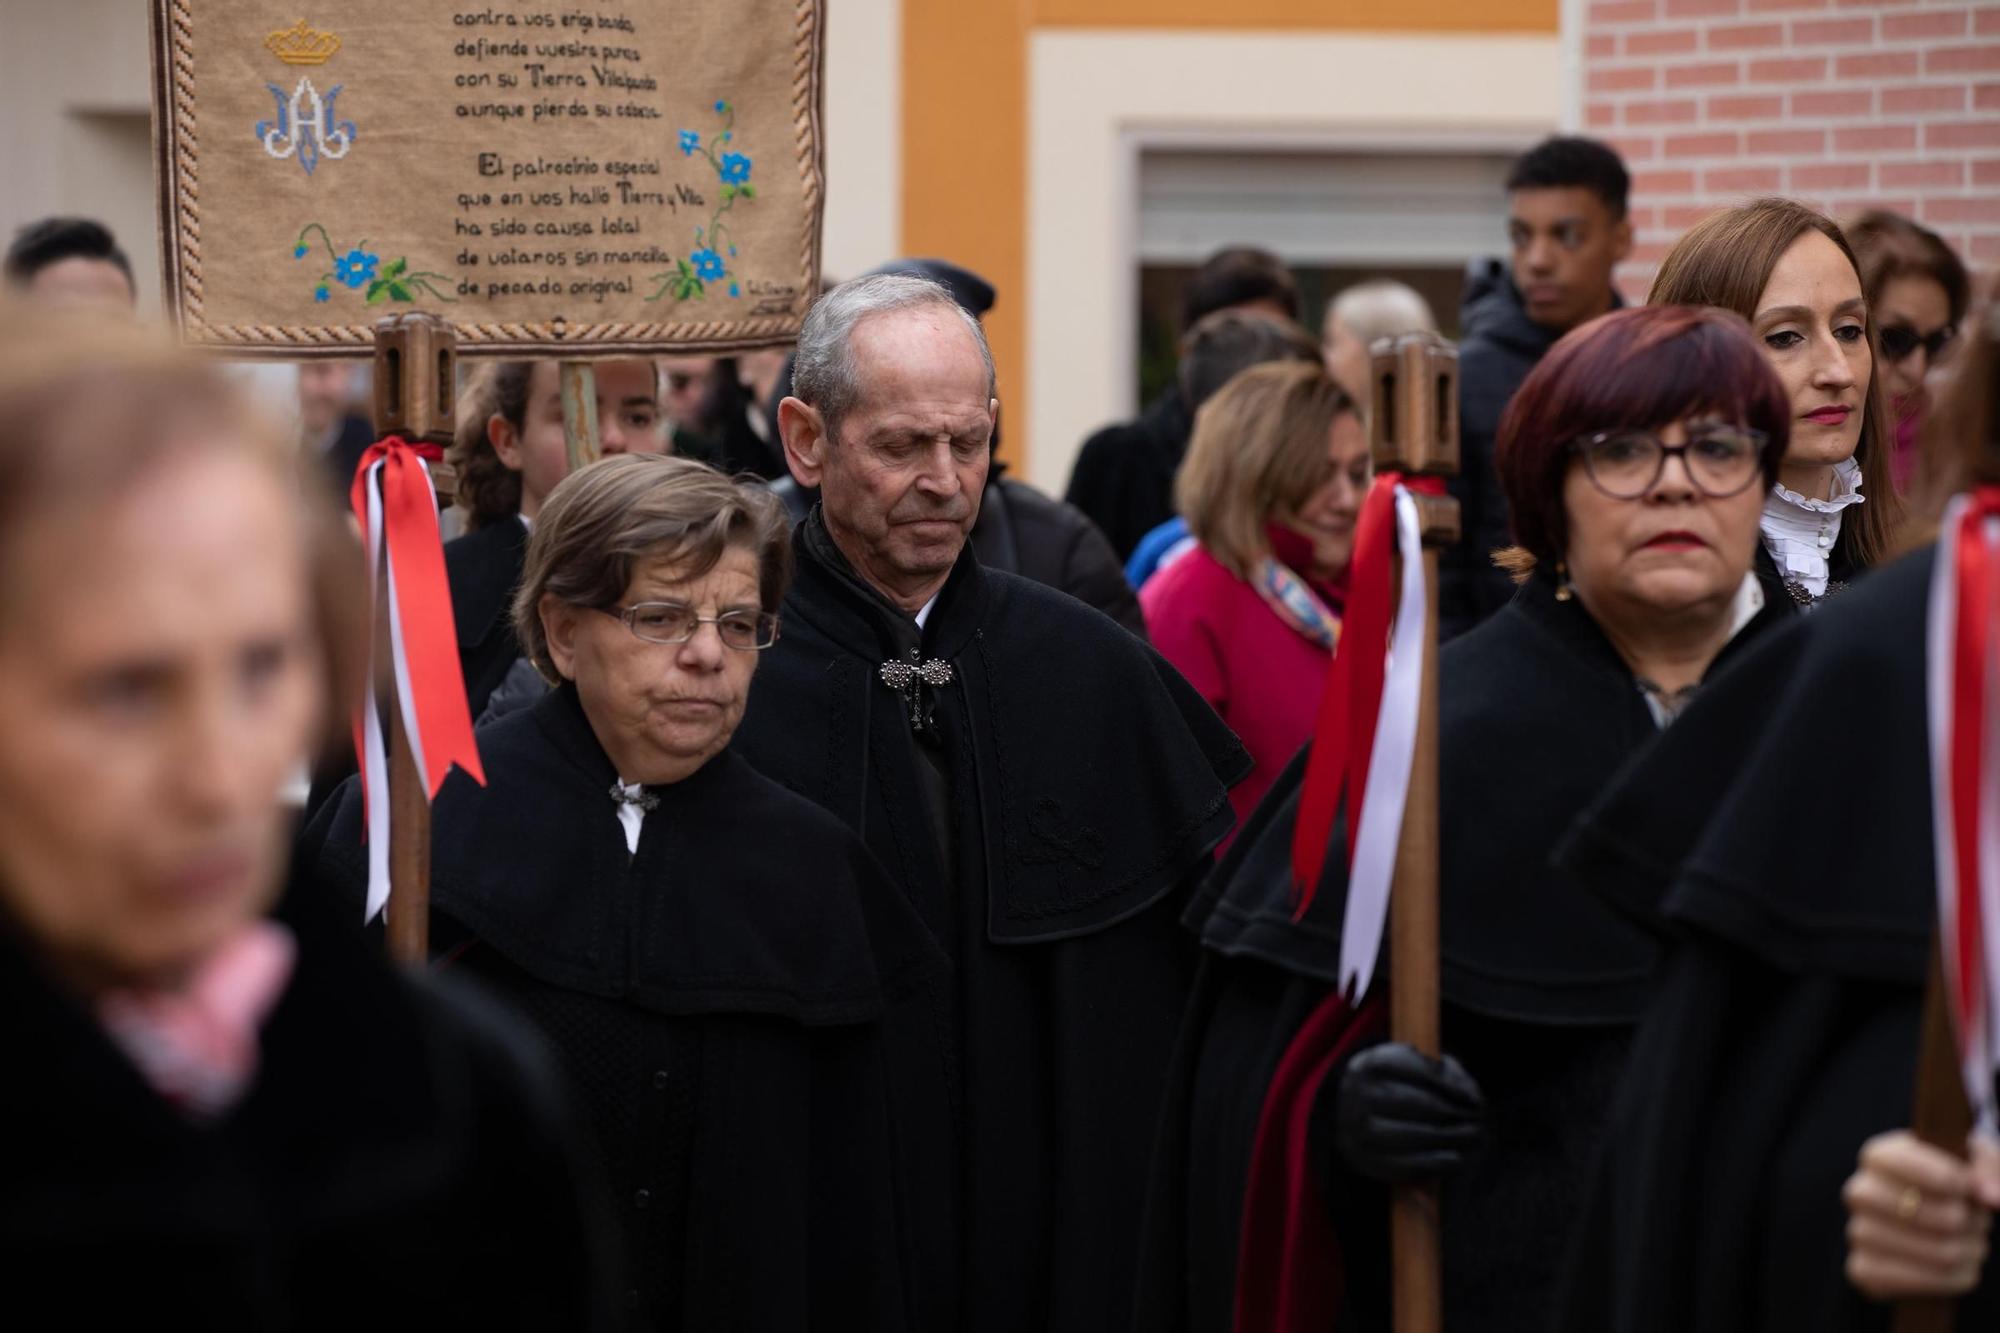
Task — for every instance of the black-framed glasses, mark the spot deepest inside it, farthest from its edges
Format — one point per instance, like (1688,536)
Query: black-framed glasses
(1626,463)
(1900,340)
(673,622)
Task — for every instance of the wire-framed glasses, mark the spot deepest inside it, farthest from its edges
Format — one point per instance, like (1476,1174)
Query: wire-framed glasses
(675,622)
(1626,463)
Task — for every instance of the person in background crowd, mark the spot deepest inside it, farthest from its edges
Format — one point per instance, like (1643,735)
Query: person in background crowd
(232,1111)
(1760,1172)
(742,1000)
(329,426)
(1214,352)
(1790,272)
(70,261)
(1568,230)
(1124,474)
(1019,529)
(683,382)
(1360,316)
(1043,787)
(1635,457)
(1917,292)
(733,430)
(510,455)
(1271,487)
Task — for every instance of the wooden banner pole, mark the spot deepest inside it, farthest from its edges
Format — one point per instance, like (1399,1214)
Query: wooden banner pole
(416,374)
(1413,427)
(579,409)
(1941,1117)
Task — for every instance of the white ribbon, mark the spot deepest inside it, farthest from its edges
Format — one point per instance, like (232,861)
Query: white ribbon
(1389,762)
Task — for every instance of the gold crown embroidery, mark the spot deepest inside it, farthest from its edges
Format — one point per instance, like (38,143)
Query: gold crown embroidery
(302,44)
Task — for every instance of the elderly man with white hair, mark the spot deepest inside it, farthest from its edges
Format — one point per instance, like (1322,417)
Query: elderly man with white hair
(1045,789)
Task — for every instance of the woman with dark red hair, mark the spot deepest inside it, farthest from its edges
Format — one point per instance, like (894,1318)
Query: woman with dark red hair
(1635,459)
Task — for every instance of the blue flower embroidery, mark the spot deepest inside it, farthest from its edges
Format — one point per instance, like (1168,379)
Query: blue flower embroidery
(734,290)
(721,105)
(732,252)
(299,253)
(689,142)
(356,269)
(707,264)
(320,293)
(735,168)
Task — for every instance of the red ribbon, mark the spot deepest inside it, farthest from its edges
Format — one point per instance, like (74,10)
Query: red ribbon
(1971,662)
(423,605)
(1351,704)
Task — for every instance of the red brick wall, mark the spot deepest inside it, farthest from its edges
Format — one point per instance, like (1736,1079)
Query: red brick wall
(1846,103)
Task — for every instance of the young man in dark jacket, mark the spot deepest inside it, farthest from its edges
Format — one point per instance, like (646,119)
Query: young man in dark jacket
(1567,230)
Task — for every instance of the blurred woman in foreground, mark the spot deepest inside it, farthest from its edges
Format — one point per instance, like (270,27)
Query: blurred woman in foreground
(227,1110)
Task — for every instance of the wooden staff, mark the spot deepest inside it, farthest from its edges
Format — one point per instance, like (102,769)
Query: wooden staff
(1413,429)
(579,409)
(416,376)
(1942,1117)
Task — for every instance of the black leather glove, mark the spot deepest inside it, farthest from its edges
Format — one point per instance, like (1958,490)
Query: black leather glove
(1401,1116)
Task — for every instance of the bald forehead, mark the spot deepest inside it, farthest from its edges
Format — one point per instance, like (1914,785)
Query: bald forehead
(929,343)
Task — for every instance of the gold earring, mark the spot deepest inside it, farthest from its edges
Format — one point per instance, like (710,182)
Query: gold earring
(1563,590)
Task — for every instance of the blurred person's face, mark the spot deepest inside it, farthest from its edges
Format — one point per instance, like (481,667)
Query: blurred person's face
(1675,547)
(82,282)
(628,422)
(1565,245)
(902,484)
(159,681)
(324,389)
(1348,361)
(683,381)
(1328,516)
(661,710)
(1911,313)
(1812,321)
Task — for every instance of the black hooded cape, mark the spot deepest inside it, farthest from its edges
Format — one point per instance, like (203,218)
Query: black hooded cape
(1782,830)
(403,1158)
(746,1009)
(1047,826)
(1541,985)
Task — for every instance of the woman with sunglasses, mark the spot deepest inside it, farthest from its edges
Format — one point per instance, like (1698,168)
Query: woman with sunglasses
(1917,290)
(1635,459)
(740,998)
(1832,513)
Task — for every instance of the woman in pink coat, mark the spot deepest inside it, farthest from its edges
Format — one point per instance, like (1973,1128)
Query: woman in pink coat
(1271,487)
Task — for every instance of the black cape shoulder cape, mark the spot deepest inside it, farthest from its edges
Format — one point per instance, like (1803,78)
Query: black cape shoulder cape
(1782,832)
(405,1154)
(751,963)
(1083,786)
(1540,982)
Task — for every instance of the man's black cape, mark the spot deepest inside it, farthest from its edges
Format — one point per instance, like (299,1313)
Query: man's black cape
(1541,985)
(745,1007)
(1063,799)
(1782,830)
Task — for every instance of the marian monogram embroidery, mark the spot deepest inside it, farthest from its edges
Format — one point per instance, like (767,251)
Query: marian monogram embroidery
(307,128)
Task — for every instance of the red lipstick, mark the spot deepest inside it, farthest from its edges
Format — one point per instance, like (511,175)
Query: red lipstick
(1831,415)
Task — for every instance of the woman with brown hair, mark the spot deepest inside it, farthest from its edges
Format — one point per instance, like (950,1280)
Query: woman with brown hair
(1270,488)
(510,454)
(1759,1172)
(741,1000)
(1791,272)
(225,1109)
(1917,291)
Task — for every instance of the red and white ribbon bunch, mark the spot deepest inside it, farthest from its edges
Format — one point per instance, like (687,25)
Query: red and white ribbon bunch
(1366,736)
(397,506)
(1963,694)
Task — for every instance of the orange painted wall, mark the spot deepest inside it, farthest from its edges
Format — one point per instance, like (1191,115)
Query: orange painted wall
(965,117)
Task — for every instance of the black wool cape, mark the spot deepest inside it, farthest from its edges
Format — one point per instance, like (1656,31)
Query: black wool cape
(745,1009)
(1781,833)
(402,1159)
(1048,832)
(1541,985)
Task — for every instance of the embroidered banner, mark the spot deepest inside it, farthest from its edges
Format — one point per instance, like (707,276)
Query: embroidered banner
(553,177)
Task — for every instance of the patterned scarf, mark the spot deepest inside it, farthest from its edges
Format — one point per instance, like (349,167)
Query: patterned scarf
(1311,609)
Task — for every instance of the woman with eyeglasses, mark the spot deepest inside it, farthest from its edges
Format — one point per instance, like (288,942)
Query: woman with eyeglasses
(1918,291)
(1635,458)
(1832,514)
(742,1001)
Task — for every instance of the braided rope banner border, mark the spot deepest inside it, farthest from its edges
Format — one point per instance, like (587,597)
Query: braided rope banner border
(177,190)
